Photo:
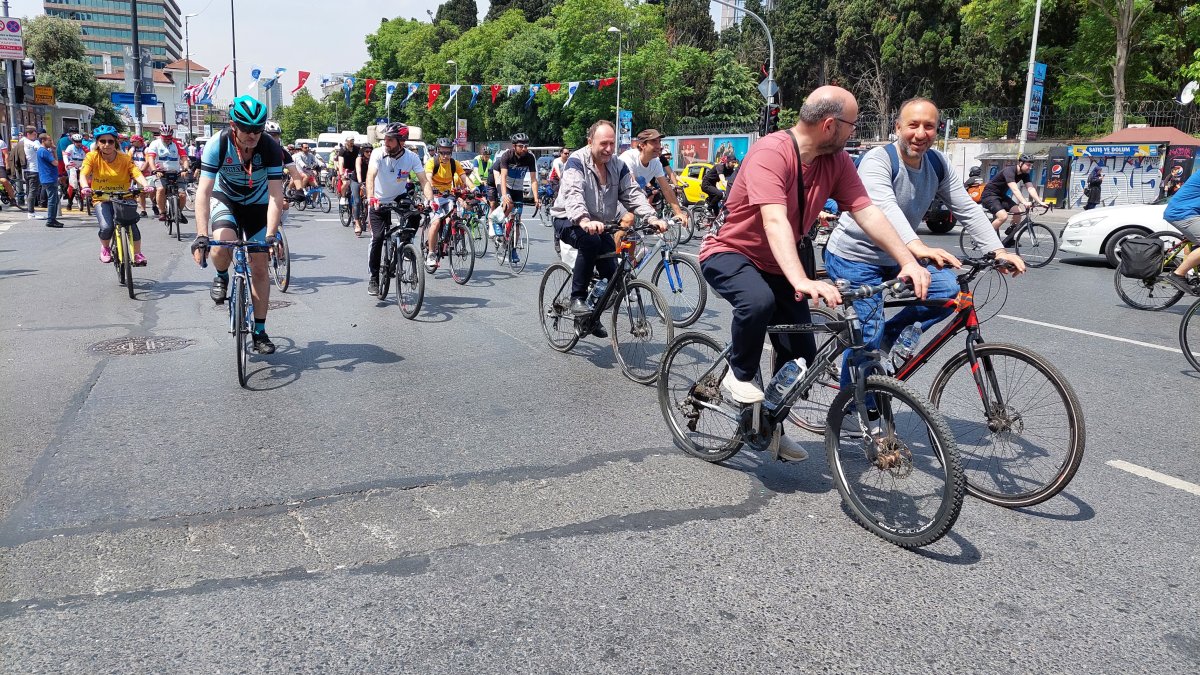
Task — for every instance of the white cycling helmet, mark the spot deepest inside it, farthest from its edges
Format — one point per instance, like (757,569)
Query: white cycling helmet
(272,127)
(76,137)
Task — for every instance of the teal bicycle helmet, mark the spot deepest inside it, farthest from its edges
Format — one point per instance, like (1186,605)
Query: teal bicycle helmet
(248,113)
(105,130)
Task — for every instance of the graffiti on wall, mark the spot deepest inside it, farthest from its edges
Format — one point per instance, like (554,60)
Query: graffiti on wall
(1127,180)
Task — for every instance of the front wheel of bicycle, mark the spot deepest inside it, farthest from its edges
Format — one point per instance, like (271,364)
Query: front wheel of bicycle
(1037,244)
(410,281)
(462,253)
(702,421)
(125,241)
(686,229)
(281,263)
(479,236)
(900,477)
(640,329)
(554,308)
(518,252)
(682,285)
(324,202)
(1021,436)
(810,412)
(344,214)
(387,269)
(241,336)
(1189,335)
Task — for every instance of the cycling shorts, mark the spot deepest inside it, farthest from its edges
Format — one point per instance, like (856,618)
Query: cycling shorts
(994,204)
(1189,227)
(248,220)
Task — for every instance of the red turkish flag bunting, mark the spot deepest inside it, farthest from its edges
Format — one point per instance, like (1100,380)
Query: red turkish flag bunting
(553,87)
(370,86)
(608,81)
(303,78)
(434,91)
(495,92)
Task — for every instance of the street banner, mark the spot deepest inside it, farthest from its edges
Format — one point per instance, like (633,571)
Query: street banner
(495,91)
(572,87)
(533,90)
(474,95)
(412,89)
(347,85)
(460,133)
(453,93)
(389,88)
(434,91)
(513,90)
(303,79)
(1035,100)
(370,88)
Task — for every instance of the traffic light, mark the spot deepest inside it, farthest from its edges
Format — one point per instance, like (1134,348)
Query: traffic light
(28,72)
(770,118)
(941,127)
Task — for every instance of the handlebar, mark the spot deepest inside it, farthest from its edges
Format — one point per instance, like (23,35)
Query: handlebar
(120,194)
(897,287)
(1042,209)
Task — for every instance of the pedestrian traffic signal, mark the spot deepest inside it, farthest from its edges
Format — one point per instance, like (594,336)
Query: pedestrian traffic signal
(770,118)
(28,72)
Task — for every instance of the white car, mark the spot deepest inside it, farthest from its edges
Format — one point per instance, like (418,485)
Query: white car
(1099,232)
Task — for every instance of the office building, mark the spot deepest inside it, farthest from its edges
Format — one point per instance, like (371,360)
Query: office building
(272,98)
(106,30)
(731,16)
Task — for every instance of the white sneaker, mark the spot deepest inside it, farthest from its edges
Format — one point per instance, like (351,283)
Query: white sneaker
(29,216)
(791,451)
(39,216)
(431,261)
(742,392)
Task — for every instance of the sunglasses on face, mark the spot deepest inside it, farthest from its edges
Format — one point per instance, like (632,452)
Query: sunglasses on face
(444,154)
(106,141)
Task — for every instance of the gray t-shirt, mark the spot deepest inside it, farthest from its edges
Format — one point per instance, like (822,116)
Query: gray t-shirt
(904,200)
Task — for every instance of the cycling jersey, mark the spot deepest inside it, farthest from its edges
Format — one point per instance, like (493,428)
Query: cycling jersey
(73,155)
(517,167)
(239,181)
(166,155)
(112,176)
(393,175)
(442,177)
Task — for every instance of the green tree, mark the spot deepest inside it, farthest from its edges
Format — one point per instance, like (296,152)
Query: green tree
(532,9)
(55,46)
(689,24)
(732,93)
(803,31)
(461,13)
(49,39)
(304,117)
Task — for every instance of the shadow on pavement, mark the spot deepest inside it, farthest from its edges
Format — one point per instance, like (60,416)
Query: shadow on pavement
(1082,511)
(290,361)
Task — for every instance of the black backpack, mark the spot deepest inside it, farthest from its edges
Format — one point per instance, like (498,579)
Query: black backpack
(1141,257)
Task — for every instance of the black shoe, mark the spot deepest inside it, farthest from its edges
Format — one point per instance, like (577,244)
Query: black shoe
(155,208)
(55,223)
(183,219)
(373,286)
(599,331)
(1171,278)
(579,307)
(143,214)
(262,343)
(219,290)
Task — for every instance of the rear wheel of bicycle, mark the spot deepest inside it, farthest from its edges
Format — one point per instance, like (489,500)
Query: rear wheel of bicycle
(1037,244)
(1024,445)
(640,329)
(544,215)
(410,281)
(519,243)
(1189,335)
(344,214)
(324,203)
(682,285)
(1148,294)
(387,268)
(462,254)
(281,263)
(554,308)
(697,219)
(703,423)
(241,336)
(810,413)
(901,478)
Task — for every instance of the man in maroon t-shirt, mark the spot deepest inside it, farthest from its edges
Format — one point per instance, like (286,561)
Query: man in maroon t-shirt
(753,262)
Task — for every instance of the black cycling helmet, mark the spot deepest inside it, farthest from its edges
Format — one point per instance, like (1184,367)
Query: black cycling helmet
(397,131)
(975,172)
(519,137)
(444,143)
(1025,159)
(248,113)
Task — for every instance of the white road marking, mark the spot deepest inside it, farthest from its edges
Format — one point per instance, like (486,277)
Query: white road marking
(4,227)
(1173,350)
(1155,476)
(325,220)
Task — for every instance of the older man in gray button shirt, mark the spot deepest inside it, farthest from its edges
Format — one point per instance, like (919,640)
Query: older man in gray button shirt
(596,188)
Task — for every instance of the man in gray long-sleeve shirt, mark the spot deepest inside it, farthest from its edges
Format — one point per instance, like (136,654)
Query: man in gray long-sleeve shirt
(595,185)
(905,194)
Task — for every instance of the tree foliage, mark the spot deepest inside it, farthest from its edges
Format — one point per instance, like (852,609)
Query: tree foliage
(532,9)
(56,48)
(461,13)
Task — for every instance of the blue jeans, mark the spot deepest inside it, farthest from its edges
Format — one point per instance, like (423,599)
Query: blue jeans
(50,191)
(876,331)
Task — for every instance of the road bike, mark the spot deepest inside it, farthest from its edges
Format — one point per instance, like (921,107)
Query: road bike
(639,324)
(279,265)
(677,277)
(400,259)
(170,186)
(475,218)
(1156,293)
(512,245)
(892,455)
(454,241)
(1189,335)
(1036,243)
(240,300)
(125,216)
(546,195)
(1017,420)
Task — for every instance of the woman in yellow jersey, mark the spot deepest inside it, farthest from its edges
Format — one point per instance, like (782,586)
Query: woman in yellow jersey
(108,169)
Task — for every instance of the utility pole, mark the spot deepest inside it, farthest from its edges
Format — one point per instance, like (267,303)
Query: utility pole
(10,68)
(233,34)
(137,70)
(187,79)
(770,43)
(1037,18)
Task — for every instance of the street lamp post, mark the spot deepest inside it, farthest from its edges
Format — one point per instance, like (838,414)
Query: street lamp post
(233,42)
(187,56)
(620,46)
(454,63)
(770,43)
(1037,18)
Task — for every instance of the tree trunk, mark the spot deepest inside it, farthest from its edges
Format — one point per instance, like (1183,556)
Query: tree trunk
(1123,23)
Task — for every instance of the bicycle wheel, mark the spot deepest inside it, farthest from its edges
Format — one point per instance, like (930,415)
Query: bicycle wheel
(970,248)
(237,319)
(672,233)
(178,221)
(901,478)
(1149,294)
(640,329)
(117,254)
(544,215)
(683,288)
(344,214)
(281,263)
(697,217)
(1189,335)
(387,268)
(1037,244)
(686,229)
(518,256)
(702,422)
(554,308)
(410,281)
(1025,443)
(462,254)
(125,241)
(810,412)
(479,236)
(324,202)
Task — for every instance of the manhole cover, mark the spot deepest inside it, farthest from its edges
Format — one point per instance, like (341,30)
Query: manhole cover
(128,346)
(279,304)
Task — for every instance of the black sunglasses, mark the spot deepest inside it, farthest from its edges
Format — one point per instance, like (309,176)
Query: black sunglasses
(108,141)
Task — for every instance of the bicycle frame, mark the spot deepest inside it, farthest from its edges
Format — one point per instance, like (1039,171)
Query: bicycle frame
(664,251)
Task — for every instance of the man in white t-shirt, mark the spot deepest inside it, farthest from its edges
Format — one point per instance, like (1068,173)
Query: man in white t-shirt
(642,161)
(389,175)
(33,185)
(166,155)
(557,167)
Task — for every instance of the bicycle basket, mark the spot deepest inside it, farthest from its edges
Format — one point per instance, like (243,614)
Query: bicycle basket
(1141,257)
(125,211)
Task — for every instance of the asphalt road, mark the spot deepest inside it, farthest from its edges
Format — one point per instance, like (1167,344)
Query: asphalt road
(450,495)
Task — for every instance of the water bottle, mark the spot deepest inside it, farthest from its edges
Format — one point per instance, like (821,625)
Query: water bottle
(906,344)
(781,385)
(597,292)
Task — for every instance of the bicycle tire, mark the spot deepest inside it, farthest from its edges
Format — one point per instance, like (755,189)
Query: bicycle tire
(324,202)
(972,251)
(544,215)
(462,254)
(410,281)
(810,413)
(518,238)
(1036,243)
(125,237)
(178,221)
(943,488)
(114,248)
(640,329)
(689,282)
(344,214)
(558,325)
(683,386)
(477,234)
(697,214)
(672,233)
(1189,335)
(281,263)
(387,266)
(1151,295)
(997,456)
(237,319)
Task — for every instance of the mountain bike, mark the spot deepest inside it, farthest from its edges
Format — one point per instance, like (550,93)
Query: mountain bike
(512,247)
(240,300)
(1017,420)
(639,324)
(400,259)
(1034,242)
(1189,335)
(454,241)
(892,455)
(1157,293)
(677,277)
(125,215)
(314,198)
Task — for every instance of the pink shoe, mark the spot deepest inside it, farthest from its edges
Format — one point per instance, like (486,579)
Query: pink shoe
(105,254)
(139,260)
